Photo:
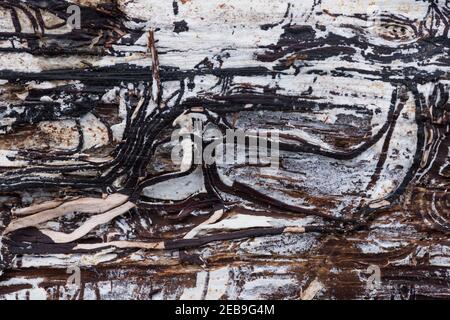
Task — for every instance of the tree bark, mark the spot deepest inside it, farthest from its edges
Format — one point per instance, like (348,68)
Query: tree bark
(351,97)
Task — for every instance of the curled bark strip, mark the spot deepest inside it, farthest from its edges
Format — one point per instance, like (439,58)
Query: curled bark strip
(86,205)
(122,245)
(214,218)
(90,224)
(36,208)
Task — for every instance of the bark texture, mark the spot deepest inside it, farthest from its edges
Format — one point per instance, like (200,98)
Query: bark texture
(358,92)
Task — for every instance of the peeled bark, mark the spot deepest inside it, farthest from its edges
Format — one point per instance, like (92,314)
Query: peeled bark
(357,91)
